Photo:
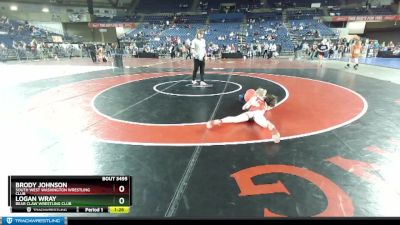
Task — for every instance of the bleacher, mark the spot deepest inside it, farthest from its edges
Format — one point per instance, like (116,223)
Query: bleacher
(221,28)
(19,31)
(307,3)
(182,31)
(258,31)
(159,19)
(146,29)
(189,19)
(303,14)
(252,4)
(24,41)
(156,36)
(227,17)
(265,16)
(309,26)
(215,31)
(293,4)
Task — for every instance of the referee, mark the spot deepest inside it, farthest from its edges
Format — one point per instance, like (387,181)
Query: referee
(198,48)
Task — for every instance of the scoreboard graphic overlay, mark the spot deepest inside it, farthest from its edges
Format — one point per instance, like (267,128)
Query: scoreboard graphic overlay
(74,194)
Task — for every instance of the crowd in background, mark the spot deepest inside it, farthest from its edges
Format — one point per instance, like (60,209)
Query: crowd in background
(261,44)
(340,48)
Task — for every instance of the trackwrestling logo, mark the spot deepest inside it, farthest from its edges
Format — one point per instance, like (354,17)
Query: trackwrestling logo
(33,220)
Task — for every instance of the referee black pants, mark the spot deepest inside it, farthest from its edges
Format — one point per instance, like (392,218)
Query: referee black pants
(197,64)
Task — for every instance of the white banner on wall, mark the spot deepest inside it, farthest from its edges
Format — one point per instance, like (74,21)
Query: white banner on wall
(356,27)
(316,5)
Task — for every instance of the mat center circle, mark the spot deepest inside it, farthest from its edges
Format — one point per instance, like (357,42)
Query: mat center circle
(217,86)
(140,102)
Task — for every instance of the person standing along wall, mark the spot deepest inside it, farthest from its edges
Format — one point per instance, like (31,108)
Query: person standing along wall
(355,51)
